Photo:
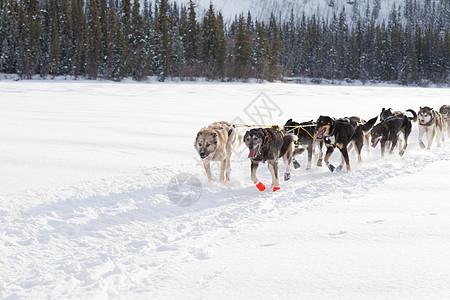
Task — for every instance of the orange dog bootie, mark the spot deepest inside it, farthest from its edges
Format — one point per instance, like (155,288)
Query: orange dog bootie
(260,185)
(275,187)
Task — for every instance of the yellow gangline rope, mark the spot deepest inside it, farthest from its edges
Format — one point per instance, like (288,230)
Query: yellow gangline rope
(278,128)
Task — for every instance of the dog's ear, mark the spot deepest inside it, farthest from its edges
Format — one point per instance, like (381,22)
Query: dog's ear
(245,136)
(289,121)
(261,132)
(199,134)
(382,110)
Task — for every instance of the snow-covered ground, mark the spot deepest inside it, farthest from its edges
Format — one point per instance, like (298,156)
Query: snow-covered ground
(85,212)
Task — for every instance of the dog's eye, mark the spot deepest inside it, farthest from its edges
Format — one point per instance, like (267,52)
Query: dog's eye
(200,144)
(207,144)
(255,138)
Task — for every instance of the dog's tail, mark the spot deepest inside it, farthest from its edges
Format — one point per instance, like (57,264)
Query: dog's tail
(367,126)
(298,151)
(288,141)
(238,138)
(414,117)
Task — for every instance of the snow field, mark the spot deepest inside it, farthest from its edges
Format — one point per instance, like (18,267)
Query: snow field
(84,211)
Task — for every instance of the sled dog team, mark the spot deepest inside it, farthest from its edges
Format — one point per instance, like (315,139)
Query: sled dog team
(217,141)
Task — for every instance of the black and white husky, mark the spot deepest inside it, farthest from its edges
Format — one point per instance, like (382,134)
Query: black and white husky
(431,124)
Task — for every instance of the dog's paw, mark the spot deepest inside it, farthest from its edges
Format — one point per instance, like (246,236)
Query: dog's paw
(331,167)
(287,176)
(260,185)
(275,187)
(402,151)
(308,168)
(296,164)
(319,163)
(422,145)
(339,168)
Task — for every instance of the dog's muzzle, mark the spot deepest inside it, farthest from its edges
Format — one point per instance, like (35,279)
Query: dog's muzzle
(320,133)
(253,152)
(374,144)
(202,154)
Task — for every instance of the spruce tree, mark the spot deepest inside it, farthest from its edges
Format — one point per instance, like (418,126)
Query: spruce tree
(192,38)
(138,65)
(275,49)
(33,29)
(261,52)
(219,47)
(94,46)
(125,25)
(165,42)
(78,34)
(55,49)
(242,49)
(208,39)
(65,37)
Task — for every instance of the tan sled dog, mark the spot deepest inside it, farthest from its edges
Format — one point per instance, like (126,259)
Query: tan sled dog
(216,143)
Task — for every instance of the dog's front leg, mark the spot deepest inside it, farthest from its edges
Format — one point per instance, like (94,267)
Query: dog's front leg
(431,139)
(367,143)
(383,147)
(310,153)
(319,161)
(228,152)
(223,168)
(207,166)
(273,168)
(254,166)
(327,157)
(421,133)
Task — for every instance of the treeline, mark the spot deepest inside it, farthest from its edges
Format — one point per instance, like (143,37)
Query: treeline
(118,39)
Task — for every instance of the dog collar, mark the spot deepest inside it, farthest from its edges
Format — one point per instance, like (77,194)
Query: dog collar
(332,133)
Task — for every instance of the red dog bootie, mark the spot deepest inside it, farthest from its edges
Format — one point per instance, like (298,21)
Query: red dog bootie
(260,185)
(275,187)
